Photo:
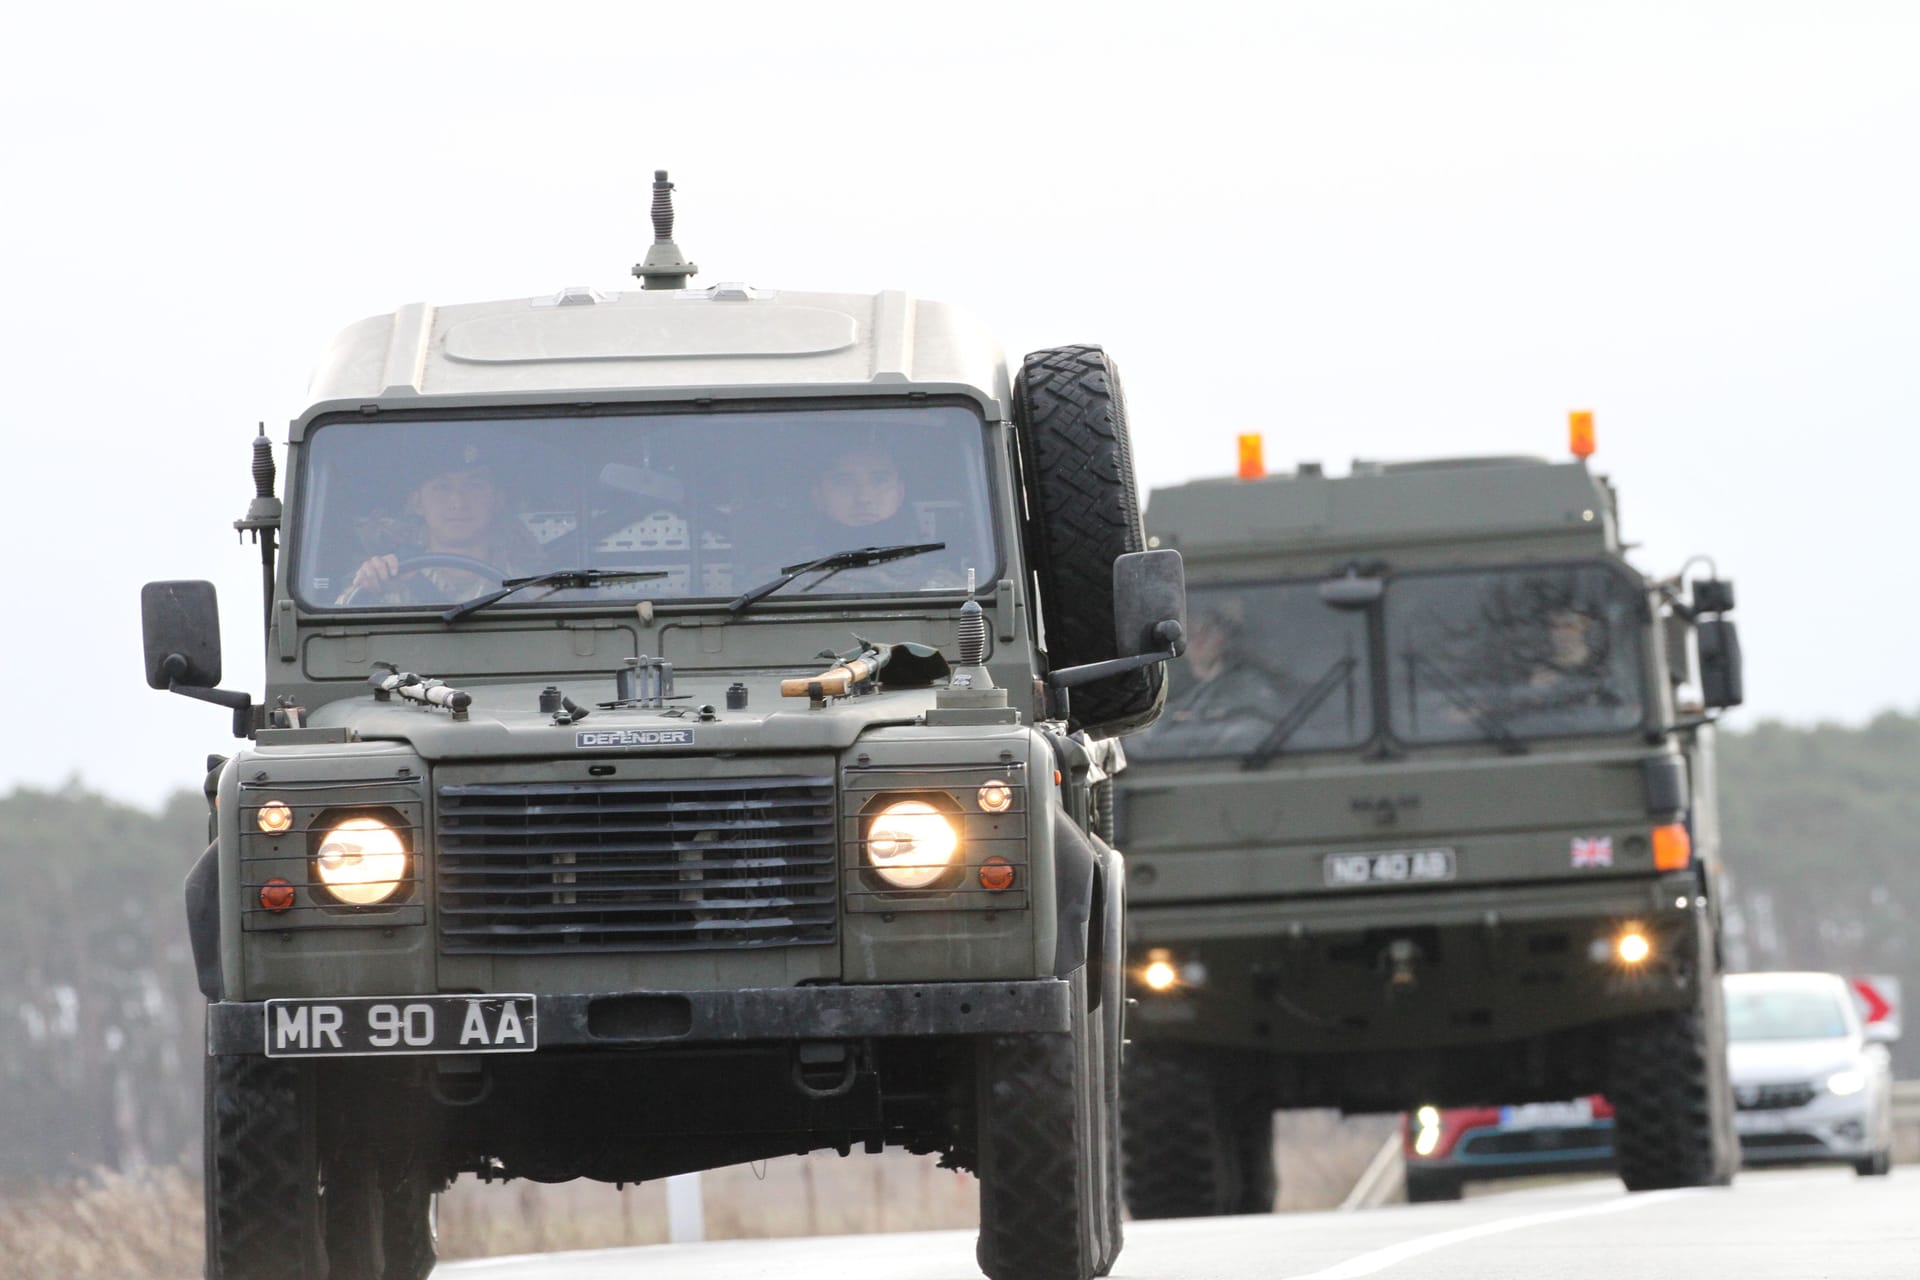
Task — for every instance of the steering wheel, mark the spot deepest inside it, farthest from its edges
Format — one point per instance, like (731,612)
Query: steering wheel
(435,560)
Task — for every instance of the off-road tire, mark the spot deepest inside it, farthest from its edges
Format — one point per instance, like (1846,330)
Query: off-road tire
(1197,1141)
(1071,419)
(262,1181)
(1424,1186)
(1036,1153)
(1672,1101)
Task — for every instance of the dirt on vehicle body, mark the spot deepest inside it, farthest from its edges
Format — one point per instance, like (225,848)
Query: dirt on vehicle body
(660,767)
(1424,823)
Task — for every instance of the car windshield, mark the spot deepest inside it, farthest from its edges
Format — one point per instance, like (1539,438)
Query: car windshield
(1263,660)
(1784,1015)
(1534,652)
(399,514)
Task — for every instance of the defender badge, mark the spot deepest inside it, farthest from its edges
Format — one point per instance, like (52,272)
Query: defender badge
(587,739)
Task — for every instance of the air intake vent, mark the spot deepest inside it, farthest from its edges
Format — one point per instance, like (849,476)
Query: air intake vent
(561,868)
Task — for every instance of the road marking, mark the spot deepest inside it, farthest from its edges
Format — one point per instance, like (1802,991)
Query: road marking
(1379,1260)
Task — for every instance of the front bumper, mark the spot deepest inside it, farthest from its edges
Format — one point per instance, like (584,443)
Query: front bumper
(1828,1128)
(639,1019)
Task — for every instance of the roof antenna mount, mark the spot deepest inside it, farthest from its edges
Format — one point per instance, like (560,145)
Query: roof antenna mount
(665,267)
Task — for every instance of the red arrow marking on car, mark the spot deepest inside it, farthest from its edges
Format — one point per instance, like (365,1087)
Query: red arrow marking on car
(1877,1006)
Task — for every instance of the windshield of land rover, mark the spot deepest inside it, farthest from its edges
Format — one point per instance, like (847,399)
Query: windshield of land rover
(1540,651)
(419,513)
(1268,667)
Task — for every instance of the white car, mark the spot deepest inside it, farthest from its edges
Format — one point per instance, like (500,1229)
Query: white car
(1810,1082)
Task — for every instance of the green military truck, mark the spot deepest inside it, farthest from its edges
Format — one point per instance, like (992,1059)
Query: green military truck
(1429,819)
(661,766)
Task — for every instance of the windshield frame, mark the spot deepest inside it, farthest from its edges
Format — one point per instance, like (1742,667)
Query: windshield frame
(1636,591)
(1376,669)
(301,483)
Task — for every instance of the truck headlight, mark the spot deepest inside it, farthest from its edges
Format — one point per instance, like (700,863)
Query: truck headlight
(1842,1084)
(361,861)
(911,844)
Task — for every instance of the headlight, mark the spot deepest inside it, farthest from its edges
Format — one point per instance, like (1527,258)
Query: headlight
(1842,1084)
(362,861)
(911,844)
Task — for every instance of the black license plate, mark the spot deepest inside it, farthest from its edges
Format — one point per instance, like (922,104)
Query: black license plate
(1398,866)
(359,1026)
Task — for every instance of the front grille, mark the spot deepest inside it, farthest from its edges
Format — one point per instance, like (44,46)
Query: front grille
(1772,1097)
(1781,1141)
(561,868)
(1517,1142)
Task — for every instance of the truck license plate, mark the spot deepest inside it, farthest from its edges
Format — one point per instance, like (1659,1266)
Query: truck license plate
(358,1026)
(1401,866)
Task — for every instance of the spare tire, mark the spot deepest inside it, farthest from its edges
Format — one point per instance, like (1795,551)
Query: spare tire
(1084,506)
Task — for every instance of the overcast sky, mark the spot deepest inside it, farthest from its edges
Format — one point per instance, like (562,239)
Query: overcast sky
(1383,230)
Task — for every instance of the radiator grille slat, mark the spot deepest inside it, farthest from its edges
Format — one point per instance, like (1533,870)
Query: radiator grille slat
(568,867)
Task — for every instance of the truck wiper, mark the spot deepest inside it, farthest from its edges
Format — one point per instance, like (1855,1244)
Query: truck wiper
(558,579)
(857,558)
(1298,714)
(1451,689)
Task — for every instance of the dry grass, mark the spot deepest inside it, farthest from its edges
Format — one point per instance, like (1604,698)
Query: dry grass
(149,1227)
(106,1227)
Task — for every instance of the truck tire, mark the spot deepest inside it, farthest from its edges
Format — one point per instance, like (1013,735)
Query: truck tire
(1071,420)
(1197,1140)
(1672,1100)
(1039,1218)
(262,1171)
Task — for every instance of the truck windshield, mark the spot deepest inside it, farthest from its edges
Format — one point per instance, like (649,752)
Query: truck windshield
(1533,652)
(398,514)
(1263,659)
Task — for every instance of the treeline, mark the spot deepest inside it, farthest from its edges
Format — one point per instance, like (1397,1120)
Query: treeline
(1822,836)
(100,1023)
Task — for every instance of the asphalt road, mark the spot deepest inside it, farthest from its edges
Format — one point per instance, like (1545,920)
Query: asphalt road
(1790,1225)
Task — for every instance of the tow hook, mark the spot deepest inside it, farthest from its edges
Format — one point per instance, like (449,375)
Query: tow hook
(1401,956)
(824,1068)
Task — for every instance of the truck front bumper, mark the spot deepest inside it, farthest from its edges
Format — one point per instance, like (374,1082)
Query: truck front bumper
(637,1019)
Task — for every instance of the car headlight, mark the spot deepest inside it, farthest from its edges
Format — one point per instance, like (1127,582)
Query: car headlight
(362,861)
(911,844)
(1842,1084)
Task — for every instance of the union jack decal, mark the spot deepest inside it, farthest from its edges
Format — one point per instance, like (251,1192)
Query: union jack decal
(1593,851)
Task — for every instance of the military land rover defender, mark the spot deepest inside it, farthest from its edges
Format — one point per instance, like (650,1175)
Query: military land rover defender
(1429,819)
(688,723)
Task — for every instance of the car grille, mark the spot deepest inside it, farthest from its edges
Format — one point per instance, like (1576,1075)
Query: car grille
(1514,1142)
(565,867)
(1772,1097)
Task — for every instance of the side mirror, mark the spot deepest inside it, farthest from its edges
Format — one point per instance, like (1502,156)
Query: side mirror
(1721,684)
(1881,1032)
(1712,595)
(1149,603)
(180,623)
(1350,591)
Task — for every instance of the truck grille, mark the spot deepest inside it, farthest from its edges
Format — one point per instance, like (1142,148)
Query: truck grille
(563,868)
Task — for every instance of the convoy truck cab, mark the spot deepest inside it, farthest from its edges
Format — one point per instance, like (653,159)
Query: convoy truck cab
(1428,822)
(661,766)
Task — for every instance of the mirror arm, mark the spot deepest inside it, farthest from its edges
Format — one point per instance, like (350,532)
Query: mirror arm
(1069,677)
(240,703)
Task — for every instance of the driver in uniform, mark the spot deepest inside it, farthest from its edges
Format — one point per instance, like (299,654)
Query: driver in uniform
(456,510)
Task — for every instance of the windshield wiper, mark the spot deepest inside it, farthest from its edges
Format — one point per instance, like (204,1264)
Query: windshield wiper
(1298,714)
(857,558)
(559,580)
(1451,689)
